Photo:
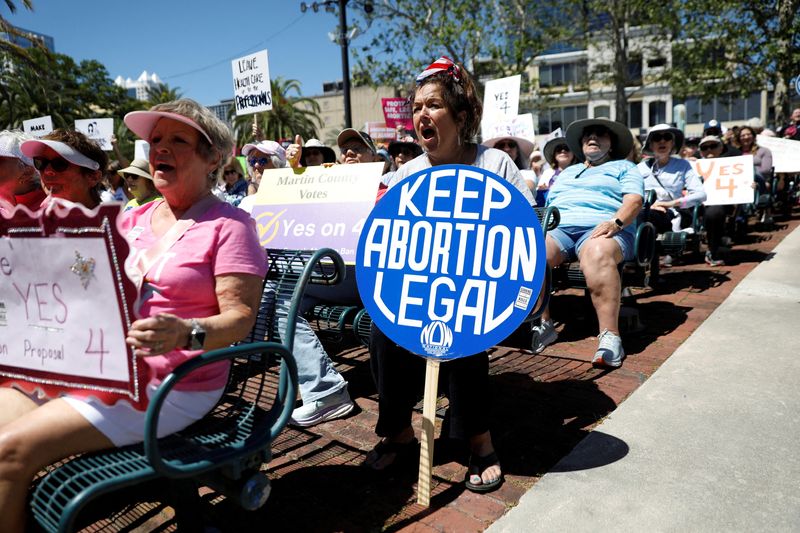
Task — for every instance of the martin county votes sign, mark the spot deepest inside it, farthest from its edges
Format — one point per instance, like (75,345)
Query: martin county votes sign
(450,261)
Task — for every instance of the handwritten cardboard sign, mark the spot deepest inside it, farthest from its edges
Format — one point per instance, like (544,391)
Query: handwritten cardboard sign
(397,111)
(727,180)
(450,261)
(316,207)
(66,305)
(141,150)
(500,101)
(518,126)
(251,85)
(785,153)
(38,127)
(99,130)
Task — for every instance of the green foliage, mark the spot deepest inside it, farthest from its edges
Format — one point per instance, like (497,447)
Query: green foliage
(53,84)
(493,39)
(734,47)
(291,114)
(162,93)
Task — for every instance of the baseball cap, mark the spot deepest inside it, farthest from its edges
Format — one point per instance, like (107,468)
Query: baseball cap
(266,147)
(348,134)
(712,139)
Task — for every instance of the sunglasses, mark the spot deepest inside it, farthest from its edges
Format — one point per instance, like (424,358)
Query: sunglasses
(658,137)
(261,161)
(505,144)
(599,131)
(561,148)
(355,148)
(58,164)
(132,177)
(709,146)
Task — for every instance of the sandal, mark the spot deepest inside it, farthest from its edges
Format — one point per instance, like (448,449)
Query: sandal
(477,465)
(403,453)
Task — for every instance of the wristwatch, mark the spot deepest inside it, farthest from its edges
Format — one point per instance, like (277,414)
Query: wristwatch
(197,337)
(620,224)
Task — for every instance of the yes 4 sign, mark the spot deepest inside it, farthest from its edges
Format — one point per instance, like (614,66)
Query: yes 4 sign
(727,180)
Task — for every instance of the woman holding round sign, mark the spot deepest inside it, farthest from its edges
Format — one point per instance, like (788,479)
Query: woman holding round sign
(200,268)
(598,200)
(446,115)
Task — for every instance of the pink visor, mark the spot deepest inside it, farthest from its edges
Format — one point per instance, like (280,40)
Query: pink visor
(142,122)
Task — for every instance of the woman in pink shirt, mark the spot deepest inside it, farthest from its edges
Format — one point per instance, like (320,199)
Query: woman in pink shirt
(201,292)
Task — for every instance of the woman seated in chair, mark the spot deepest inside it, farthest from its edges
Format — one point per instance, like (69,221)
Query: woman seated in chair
(202,293)
(598,201)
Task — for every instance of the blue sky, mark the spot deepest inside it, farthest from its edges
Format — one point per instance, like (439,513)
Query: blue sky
(189,43)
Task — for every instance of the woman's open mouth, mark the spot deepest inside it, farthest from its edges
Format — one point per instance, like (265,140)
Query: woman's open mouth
(428,133)
(164,167)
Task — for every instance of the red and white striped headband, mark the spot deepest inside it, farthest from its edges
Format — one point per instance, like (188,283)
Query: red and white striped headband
(443,64)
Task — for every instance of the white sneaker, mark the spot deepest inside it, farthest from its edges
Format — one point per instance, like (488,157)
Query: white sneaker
(609,351)
(544,334)
(326,408)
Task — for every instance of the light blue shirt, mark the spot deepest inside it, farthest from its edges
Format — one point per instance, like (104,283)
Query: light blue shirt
(586,196)
(678,174)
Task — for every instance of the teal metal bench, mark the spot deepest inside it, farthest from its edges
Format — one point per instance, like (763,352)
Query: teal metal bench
(226,449)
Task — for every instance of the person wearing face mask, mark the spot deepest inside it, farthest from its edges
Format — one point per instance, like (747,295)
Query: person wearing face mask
(598,200)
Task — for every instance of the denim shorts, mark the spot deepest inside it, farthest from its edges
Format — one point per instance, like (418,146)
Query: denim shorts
(570,239)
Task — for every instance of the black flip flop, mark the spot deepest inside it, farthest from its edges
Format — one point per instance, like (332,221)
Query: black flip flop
(477,465)
(403,453)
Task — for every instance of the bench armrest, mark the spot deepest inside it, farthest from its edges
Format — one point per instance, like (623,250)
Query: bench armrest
(287,392)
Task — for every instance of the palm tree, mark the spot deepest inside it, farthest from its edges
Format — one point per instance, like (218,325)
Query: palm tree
(162,93)
(290,115)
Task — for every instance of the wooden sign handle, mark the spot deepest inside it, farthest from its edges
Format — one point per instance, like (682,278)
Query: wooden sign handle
(428,425)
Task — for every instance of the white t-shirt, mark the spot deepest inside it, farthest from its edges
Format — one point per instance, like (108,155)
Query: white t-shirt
(489,159)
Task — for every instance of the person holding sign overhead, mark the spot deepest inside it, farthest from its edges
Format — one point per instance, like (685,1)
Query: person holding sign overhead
(446,116)
(598,201)
(201,293)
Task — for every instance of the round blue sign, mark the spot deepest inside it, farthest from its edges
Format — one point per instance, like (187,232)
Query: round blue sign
(450,261)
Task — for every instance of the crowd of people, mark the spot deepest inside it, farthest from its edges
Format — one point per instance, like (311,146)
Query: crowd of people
(193,199)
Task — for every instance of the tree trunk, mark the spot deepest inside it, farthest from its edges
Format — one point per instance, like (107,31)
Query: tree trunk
(784,69)
(620,77)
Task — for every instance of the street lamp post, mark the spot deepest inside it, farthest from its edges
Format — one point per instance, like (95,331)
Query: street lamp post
(343,40)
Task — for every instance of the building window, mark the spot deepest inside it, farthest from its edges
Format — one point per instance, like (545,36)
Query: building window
(560,117)
(602,111)
(658,113)
(724,108)
(562,74)
(657,62)
(634,71)
(634,114)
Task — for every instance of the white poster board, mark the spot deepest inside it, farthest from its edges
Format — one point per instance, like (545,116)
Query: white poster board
(727,180)
(252,92)
(38,127)
(141,150)
(785,153)
(99,130)
(518,126)
(500,101)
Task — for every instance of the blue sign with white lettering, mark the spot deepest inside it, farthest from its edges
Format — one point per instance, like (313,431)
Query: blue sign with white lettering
(450,261)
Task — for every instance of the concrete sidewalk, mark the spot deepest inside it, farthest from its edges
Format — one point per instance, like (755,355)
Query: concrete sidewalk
(710,442)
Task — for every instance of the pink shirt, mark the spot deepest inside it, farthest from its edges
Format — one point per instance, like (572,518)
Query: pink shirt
(182,282)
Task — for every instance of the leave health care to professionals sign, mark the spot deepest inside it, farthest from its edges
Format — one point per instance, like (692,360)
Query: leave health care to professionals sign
(450,261)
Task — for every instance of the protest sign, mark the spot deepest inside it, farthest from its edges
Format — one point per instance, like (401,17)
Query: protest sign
(500,100)
(252,92)
(518,126)
(99,130)
(785,153)
(66,305)
(380,132)
(38,127)
(397,112)
(450,261)
(727,180)
(316,207)
(141,150)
